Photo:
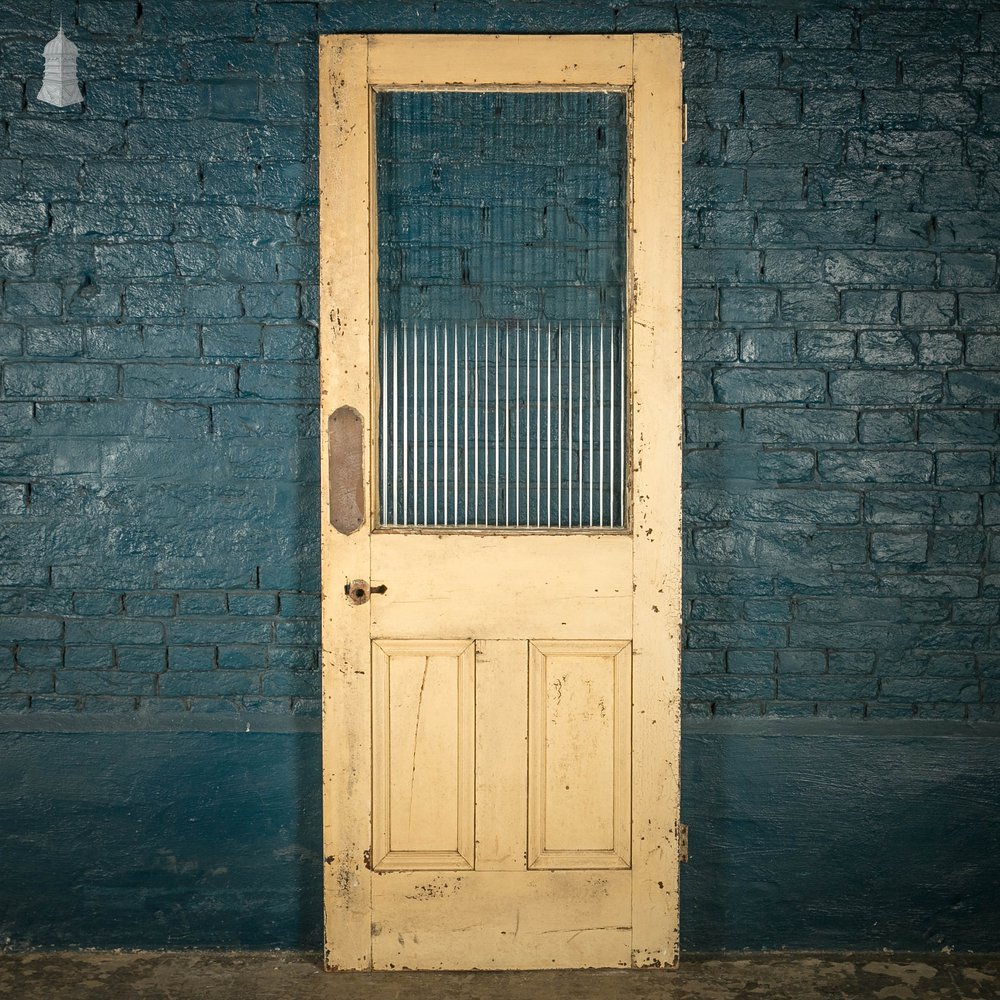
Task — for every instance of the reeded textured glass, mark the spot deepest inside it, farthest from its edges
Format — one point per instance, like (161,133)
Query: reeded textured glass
(502,358)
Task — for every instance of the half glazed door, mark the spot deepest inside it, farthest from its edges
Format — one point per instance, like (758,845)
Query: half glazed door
(501,440)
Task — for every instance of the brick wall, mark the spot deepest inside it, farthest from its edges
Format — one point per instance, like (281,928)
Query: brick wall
(158,470)
(158,459)
(842,362)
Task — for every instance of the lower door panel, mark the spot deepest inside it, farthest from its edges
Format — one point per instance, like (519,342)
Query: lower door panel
(501,803)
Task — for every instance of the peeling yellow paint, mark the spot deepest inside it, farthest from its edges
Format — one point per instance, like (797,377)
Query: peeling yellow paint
(456,763)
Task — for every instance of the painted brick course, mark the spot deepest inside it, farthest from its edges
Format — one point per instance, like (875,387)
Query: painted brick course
(158,378)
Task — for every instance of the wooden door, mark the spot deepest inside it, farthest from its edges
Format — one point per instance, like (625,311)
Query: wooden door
(500,690)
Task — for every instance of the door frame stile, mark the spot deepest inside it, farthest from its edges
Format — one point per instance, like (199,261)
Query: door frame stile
(655,327)
(345,324)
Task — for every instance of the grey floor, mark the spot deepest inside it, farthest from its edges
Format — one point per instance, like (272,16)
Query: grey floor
(284,976)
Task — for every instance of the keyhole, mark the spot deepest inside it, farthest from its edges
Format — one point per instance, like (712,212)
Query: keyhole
(357,591)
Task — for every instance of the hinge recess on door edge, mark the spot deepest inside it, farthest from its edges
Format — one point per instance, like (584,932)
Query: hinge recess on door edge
(682,842)
(684,107)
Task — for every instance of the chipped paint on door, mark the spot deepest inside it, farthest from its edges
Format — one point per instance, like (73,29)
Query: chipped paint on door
(501,710)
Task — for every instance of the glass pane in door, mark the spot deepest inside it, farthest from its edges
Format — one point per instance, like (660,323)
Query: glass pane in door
(502,360)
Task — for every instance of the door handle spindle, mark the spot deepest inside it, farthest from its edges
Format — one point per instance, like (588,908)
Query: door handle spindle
(359,591)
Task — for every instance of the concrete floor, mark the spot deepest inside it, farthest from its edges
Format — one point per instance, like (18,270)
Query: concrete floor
(290,976)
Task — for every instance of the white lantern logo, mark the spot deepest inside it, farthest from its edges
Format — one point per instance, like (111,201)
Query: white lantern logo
(59,87)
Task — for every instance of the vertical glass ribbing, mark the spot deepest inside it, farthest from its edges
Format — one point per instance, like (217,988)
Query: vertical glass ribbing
(503,425)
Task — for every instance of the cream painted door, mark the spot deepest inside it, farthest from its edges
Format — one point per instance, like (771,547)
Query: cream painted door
(500,702)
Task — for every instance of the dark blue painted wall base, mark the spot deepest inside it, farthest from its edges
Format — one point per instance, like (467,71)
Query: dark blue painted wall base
(836,841)
(160,840)
(213,840)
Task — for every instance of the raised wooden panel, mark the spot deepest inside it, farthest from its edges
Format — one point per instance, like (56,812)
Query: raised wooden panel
(423,754)
(579,746)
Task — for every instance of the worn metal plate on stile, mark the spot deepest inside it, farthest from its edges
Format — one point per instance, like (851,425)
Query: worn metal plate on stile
(347,489)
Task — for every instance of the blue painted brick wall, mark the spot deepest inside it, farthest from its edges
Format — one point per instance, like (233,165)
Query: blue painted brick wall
(158,426)
(158,256)
(841,420)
